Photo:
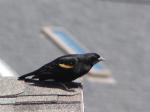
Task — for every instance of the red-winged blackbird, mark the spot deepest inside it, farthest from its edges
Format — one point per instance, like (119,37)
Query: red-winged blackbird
(65,68)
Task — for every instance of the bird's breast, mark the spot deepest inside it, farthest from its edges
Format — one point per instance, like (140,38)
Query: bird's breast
(82,69)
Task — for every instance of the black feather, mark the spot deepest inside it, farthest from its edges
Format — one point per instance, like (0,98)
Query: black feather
(65,68)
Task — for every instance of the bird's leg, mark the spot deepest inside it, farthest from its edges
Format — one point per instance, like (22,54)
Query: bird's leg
(66,87)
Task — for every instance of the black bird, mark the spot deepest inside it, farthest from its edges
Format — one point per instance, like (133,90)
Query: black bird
(65,68)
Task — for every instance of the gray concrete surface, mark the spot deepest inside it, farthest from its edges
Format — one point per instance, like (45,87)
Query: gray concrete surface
(117,29)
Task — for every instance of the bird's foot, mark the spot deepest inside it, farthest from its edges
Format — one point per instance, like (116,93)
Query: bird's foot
(66,87)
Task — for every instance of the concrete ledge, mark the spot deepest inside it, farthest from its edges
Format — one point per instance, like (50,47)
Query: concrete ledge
(35,96)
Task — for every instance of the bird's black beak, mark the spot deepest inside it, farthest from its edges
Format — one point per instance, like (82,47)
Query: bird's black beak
(100,59)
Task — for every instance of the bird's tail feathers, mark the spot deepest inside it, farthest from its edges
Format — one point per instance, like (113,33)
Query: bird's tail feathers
(23,77)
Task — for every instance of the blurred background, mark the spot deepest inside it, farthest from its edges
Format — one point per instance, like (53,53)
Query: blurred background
(117,29)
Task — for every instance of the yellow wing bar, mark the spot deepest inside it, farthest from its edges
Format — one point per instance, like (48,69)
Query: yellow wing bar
(65,66)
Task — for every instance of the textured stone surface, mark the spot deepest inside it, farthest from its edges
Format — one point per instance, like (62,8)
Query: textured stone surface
(47,108)
(6,101)
(6,108)
(33,98)
(11,87)
(49,89)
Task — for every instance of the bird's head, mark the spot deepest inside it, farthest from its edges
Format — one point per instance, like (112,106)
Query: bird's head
(93,58)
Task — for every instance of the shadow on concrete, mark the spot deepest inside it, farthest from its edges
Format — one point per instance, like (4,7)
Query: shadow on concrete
(52,84)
